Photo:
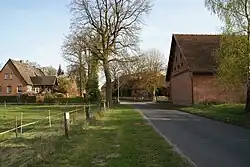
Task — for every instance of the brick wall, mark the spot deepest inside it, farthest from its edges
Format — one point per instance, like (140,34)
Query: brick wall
(14,82)
(206,87)
(181,89)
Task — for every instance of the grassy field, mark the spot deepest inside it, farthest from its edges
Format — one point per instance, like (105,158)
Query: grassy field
(229,113)
(119,139)
(37,139)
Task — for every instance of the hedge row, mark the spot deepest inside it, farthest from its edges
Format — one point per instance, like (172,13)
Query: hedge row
(64,100)
(33,99)
(18,99)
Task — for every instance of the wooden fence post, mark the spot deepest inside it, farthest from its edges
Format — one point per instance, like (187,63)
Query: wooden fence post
(49,119)
(87,112)
(16,130)
(66,123)
(21,123)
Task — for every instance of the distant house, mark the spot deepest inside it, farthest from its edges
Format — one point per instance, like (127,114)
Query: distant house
(191,71)
(135,85)
(18,77)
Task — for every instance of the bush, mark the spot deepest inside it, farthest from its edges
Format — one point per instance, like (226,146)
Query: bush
(18,99)
(209,102)
(62,100)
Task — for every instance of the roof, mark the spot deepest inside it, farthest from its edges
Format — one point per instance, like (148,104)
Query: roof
(44,80)
(198,51)
(26,70)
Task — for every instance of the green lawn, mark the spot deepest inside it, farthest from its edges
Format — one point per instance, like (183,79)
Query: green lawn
(36,139)
(229,113)
(119,139)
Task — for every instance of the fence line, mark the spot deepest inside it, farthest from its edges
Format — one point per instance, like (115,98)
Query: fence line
(32,123)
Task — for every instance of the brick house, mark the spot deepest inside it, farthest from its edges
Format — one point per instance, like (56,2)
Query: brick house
(17,77)
(191,71)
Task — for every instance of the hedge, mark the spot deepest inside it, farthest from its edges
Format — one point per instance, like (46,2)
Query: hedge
(18,99)
(62,100)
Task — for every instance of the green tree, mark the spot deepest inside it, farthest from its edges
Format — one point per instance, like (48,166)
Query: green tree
(236,16)
(63,84)
(59,71)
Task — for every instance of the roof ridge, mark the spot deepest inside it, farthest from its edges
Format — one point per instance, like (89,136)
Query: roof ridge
(201,34)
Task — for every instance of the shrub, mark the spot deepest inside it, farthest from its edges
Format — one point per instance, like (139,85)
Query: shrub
(18,99)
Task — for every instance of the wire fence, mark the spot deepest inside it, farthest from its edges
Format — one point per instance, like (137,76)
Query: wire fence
(27,137)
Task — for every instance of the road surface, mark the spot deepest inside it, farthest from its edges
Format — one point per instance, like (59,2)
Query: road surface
(206,142)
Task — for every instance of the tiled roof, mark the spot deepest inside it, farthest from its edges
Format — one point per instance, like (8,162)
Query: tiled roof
(27,71)
(198,51)
(44,80)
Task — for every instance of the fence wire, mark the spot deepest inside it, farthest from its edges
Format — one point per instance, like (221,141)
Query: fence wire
(34,140)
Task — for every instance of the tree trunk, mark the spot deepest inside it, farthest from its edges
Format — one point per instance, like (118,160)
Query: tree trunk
(247,107)
(108,83)
(154,97)
(80,77)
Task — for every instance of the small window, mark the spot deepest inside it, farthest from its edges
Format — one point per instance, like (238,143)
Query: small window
(10,76)
(179,66)
(182,64)
(9,89)
(6,76)
(19,89)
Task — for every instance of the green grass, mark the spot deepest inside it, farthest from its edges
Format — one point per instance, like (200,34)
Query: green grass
(37,139)
(229,113)
(119,139)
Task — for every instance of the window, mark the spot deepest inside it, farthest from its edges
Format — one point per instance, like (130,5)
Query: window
(19,89)
(6,76)
(10,76)
(0,89)
(9,89)
(182,64)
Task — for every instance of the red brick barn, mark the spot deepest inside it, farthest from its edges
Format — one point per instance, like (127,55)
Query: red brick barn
(191,71)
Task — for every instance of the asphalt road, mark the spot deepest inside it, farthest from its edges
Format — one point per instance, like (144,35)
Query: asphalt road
(206,142)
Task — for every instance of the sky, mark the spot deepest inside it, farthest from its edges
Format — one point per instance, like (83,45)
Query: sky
(34,30)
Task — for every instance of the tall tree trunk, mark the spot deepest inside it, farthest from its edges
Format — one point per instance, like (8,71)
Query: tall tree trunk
(108,83)
(154,97)
(247,107)
(80,75)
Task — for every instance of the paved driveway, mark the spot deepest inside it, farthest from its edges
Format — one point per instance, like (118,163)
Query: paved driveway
(207,143)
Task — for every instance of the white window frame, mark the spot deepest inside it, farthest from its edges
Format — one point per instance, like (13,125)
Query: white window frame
(19,90)
(7,90)
(6,76)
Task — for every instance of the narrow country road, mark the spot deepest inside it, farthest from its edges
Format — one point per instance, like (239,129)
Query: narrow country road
(206,142)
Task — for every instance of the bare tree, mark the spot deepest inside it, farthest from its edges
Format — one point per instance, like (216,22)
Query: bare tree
(115,25)
(74,52)
(149,69)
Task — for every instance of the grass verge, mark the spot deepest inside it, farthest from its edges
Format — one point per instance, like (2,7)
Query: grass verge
(228,113)
(120,139)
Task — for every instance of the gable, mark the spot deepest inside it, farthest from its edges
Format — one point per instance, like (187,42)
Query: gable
(16,77)
(197,51)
